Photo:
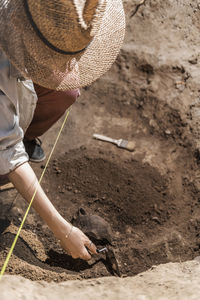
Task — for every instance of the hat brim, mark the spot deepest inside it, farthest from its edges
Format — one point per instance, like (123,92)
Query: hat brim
(53,70)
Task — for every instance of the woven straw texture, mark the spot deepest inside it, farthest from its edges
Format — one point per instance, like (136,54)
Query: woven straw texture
(53,70)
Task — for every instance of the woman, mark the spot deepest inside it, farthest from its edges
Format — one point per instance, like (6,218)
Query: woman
(59,45)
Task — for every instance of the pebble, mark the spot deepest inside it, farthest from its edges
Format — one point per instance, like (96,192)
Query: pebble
(156,220)
(167,131)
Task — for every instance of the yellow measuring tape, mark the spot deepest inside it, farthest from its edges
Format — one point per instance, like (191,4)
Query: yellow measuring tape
(28,209)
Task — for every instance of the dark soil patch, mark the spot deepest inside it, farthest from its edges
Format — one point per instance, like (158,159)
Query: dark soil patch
(134,198)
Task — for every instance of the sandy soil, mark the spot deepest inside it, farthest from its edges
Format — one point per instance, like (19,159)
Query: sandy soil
(166,282)
(149,196)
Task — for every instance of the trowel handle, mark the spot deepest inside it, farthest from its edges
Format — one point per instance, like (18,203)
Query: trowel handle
(103,138)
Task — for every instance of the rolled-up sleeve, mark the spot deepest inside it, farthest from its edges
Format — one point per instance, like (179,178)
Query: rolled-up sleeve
(12,151)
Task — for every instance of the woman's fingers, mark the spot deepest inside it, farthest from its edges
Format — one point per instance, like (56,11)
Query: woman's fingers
(85,254)
(78,245)
(91,247)
(74,256)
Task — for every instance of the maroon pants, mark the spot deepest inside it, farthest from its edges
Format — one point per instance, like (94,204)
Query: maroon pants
(50,107)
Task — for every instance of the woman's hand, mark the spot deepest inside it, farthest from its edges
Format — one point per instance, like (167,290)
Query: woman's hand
(77,244)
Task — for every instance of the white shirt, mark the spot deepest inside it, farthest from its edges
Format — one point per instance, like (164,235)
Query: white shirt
(17,104)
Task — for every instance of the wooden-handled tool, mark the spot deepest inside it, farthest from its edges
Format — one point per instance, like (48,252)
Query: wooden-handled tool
(120,143)
(7,186)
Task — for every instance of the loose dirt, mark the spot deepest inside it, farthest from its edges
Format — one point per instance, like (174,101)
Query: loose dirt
(150,196)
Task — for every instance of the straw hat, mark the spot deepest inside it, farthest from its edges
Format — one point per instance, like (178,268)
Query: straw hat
(62,44)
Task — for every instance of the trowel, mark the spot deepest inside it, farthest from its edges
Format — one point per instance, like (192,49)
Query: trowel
(120,143)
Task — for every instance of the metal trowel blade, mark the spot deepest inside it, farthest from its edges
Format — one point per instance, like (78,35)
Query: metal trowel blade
(111,259)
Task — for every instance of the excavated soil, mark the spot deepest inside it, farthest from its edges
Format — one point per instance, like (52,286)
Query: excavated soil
(151,223)
(150,196)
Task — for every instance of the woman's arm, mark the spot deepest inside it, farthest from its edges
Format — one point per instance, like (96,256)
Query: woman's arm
(14,160)
(25,181)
